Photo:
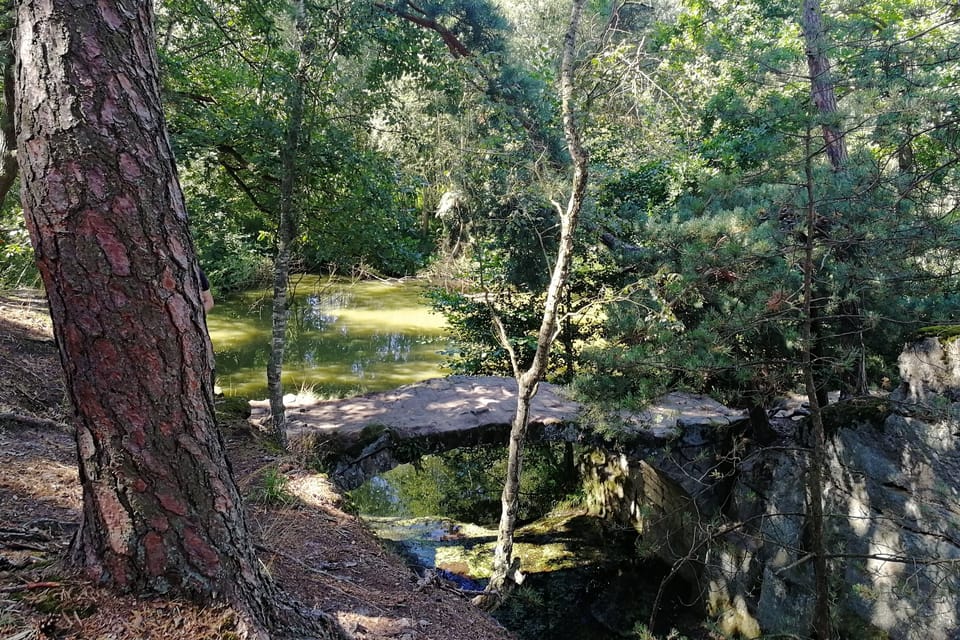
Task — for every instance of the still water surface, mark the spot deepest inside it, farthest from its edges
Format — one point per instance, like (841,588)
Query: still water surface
(343,337)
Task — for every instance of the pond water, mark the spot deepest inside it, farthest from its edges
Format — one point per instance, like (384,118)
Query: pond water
(343,337)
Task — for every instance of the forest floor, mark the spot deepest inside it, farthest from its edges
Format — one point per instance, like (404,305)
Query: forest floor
(319,554)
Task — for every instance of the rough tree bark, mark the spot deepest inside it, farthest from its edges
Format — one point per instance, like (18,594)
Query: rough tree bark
(822,88)
(504,566)
(161,510)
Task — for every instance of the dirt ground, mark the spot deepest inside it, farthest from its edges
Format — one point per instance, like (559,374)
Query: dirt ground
(319,554)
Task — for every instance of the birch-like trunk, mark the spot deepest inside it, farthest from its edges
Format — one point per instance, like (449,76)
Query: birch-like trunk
(505,566)
(286,235)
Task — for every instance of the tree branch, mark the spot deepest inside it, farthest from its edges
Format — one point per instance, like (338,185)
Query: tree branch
(457,49)
(225,151)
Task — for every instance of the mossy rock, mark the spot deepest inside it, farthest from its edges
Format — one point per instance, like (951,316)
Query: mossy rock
(855,412)
(323,455)
(371,432)
(945,332)
(353,444)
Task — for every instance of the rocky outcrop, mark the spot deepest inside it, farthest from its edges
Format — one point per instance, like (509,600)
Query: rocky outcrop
(733,515)
(723,501)
(670,476)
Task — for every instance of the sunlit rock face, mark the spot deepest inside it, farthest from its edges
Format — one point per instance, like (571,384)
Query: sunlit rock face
(737,512)
(892,525)
(896,486)
(930,371)
(894,493)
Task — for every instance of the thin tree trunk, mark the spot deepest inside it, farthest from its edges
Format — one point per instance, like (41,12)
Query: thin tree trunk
(161,510)
(821,618)
(504,565)
(8,135)
(824,96)
(286,234)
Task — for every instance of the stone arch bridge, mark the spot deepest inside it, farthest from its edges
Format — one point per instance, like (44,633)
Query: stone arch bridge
(365,435)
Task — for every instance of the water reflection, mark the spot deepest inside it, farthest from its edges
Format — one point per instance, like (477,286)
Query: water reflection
(342,337)
(585,580)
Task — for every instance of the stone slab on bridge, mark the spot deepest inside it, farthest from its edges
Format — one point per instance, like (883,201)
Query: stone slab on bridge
(371,433)
(452,405)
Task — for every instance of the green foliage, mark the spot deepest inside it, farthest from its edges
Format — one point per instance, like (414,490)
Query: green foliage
(361,216)
(632,193)
(944,332)
(233,251)
(478,350)
(229,72)
(17,266)
(710,298)
(688,272)
(720,307)
(465,485)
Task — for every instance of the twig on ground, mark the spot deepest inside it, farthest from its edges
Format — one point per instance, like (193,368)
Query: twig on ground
(301,563)
(32,421)
(26,586)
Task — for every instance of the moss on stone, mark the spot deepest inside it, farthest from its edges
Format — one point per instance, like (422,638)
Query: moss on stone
(946,332)
(355,445)
(371,432)
(855,412)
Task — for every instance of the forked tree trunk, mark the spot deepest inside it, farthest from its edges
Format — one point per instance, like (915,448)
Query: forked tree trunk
(505,568)
(161,510)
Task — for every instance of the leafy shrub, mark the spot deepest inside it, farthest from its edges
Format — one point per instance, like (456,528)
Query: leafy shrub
(17,267)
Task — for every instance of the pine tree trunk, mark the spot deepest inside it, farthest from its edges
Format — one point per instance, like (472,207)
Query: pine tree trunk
(822,88)
(824,96)
(505,567)
(161,510)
